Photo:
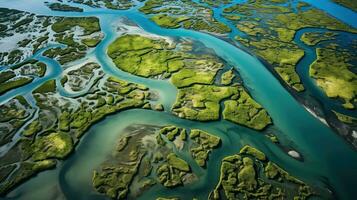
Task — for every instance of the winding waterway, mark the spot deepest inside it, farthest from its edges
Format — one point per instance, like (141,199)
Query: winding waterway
(328,160)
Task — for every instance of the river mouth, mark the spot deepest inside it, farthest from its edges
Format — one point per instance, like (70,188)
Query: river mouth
(327,161)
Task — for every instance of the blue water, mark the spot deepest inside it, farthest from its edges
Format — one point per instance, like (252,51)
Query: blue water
(327,157)
(342,13)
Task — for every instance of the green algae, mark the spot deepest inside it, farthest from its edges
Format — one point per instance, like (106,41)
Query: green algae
(76,45)
(24,172)
(216,3)
(200,71)
(140,55)
(6,75)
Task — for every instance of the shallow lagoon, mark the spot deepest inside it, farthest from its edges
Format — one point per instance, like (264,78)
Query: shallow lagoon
(326,156)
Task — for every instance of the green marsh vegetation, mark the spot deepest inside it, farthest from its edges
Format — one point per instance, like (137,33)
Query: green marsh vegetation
(331,70)
(271,28)
(21,74)
(60,123)
(345,118)
(18,23)
(39,36)
(110,4)
(74,49)
(135,167)
(249,175)
(313,38)
(63,7)
(78,79)
(183,14)
(199,96)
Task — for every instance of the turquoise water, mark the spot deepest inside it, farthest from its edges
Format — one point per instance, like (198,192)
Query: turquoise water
(327,157)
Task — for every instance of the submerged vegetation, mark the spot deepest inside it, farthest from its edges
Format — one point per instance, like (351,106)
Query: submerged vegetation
(146,156)
(60,123)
